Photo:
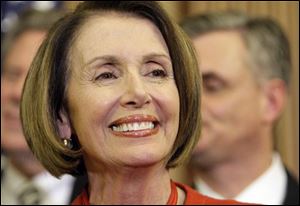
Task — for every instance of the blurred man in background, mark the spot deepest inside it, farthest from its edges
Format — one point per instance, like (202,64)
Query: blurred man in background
(23,178)
(245,66)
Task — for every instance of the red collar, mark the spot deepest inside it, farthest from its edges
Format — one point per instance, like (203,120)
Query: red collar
(192,197)
(83,199)
(174,195)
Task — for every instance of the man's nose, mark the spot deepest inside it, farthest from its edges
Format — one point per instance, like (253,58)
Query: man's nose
(16,89)
(204,108)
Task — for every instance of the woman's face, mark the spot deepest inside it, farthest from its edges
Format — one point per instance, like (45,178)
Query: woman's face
(122,98)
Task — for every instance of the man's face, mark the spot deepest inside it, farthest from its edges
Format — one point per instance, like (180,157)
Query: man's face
(15,68)
(232,100)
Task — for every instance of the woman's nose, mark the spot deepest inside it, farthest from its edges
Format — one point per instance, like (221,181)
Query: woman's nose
(135,94)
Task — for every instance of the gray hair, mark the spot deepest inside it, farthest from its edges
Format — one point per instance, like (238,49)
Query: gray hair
(268,47)
(29,20)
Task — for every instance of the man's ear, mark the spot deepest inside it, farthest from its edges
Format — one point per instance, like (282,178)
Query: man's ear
(64,125)
(275,92)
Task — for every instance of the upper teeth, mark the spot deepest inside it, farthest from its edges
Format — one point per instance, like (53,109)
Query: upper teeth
(133,126)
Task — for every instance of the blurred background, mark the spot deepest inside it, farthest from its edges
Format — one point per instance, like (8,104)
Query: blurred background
(285,12)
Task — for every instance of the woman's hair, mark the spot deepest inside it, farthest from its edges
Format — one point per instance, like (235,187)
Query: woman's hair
(44,93)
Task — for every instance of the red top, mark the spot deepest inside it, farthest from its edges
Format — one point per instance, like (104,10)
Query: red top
(192,197)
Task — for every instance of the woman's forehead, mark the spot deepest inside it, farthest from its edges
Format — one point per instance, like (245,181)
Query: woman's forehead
(118,35)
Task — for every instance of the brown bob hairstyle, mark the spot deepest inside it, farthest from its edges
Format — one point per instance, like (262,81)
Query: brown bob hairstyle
(44,91)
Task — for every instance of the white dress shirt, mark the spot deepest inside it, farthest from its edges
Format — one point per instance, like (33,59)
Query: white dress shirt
(269,188)
(54,191)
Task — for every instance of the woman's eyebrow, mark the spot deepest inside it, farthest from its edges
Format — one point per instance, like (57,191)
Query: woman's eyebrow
(107,58)
(115,60)
(155,56)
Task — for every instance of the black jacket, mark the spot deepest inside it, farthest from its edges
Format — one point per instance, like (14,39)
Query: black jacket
(292,191)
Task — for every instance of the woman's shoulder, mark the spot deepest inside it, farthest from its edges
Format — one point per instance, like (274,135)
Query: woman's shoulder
(193,197)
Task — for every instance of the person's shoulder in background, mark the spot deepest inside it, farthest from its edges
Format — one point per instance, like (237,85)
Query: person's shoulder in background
(194,198)
(292,190)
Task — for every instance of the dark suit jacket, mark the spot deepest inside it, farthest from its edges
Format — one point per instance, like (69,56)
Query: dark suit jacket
(79,185)
(292,191)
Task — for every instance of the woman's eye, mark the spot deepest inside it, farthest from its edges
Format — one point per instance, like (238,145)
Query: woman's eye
(158,73)
(106,76)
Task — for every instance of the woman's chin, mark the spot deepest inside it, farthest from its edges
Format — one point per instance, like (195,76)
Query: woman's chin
(145,160)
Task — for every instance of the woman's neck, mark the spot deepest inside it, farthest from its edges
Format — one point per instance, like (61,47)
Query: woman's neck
(147,185)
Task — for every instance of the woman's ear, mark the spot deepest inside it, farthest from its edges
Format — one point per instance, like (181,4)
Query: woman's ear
(64,125)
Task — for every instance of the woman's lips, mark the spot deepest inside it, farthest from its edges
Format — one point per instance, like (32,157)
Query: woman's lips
(136,134)
(135,126)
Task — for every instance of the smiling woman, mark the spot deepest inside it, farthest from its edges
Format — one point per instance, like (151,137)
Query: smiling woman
(114,92)
(127,85)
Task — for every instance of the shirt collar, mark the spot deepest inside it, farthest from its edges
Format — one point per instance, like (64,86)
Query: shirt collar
(268,188)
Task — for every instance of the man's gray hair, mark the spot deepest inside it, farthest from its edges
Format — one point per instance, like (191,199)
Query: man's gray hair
(29,20)
(268,47)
